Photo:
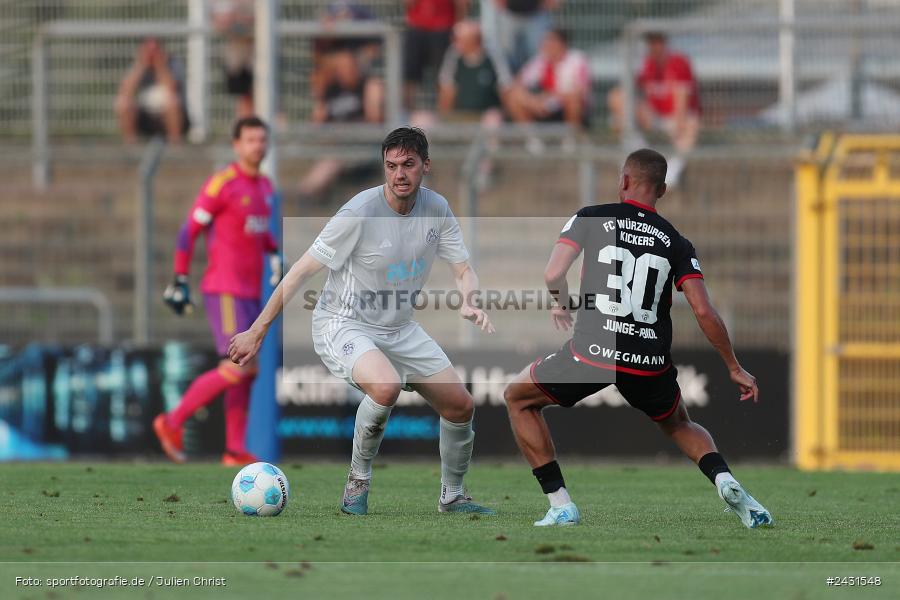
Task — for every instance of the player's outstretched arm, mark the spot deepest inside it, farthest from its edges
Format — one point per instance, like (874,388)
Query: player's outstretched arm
(555,273)
(467,284)
(714,329)
(244,346)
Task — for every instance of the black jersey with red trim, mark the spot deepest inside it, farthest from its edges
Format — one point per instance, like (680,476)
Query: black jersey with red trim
(632,257)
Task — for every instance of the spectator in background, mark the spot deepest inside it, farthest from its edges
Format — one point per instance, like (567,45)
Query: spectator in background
(348,95)
(517,27)
(325,49)
(669,101)
(554,86)
(473,84)
(234,19)
(150,100)
(473,81)
(427,38)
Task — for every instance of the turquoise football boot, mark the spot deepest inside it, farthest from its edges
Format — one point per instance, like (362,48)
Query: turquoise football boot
(751,513)
(356,497)
(464,504)
(562,516)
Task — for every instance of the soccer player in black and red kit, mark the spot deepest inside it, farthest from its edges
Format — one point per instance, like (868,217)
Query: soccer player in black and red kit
(623,334)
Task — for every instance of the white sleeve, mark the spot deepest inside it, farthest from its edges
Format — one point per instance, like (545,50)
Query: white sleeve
(337,240)
(450,244)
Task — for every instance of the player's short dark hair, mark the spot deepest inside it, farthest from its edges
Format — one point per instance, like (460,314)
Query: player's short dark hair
(408,139)
(247,122)
(648,165)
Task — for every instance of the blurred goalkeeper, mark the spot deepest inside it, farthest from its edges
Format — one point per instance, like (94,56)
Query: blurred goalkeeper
(233,209)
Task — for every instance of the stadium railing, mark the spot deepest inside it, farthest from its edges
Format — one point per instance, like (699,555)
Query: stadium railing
(31,296)
(123,36)
(759,74)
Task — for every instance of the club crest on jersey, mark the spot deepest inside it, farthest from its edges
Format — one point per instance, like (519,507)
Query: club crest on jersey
(348,348)
(432,237)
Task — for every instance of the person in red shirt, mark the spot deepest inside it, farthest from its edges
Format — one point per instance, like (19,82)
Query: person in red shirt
(427,38)
(669,100)
(233,210)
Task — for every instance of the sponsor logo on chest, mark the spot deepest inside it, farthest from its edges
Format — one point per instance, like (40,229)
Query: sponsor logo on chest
(255,224)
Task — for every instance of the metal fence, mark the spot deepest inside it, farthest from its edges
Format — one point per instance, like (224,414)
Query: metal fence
(847,354)
(738,48)
(794,72)
(733,203)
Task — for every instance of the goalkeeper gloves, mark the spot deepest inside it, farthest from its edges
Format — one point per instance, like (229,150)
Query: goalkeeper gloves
(178,295)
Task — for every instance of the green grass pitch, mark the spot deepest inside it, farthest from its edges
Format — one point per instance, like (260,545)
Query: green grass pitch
(647,531)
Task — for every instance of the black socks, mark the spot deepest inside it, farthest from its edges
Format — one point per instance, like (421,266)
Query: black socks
(712,464)
(550,477)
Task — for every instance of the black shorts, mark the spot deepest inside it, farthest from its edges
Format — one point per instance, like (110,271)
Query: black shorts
(423,49)
(566,381)
(150,124)
(239,82)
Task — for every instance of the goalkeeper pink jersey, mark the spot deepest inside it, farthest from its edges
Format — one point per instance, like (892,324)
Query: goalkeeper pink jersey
(233,208)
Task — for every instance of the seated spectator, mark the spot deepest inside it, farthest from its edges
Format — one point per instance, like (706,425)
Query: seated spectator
(427,38)
(472,82)
(234,19)
(327,50)
(150,100)
(669,101)
(554,86)
(348,95)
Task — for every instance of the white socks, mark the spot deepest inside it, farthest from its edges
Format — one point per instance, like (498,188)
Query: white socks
(371,419)
(720,477)
(457,440)
(559,497)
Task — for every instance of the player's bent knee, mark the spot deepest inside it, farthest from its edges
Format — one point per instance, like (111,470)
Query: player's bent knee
(510,395)
(518,396)
(384,392)
(461,413)
(678,419)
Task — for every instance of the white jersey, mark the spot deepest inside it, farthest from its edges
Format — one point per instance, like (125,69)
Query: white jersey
(379,259)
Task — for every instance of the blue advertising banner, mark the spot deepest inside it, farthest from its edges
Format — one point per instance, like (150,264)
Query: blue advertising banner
(57,402)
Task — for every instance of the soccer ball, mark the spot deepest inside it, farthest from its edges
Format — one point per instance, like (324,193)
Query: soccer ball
(260,490)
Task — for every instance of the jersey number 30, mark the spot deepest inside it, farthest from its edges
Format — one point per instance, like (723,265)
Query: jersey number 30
(632,284)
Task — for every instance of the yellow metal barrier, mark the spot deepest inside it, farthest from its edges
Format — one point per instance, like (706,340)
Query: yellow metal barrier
(847,304)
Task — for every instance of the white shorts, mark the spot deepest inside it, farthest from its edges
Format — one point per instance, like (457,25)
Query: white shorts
(340,342)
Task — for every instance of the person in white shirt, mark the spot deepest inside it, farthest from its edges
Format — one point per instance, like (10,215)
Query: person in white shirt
(553,86)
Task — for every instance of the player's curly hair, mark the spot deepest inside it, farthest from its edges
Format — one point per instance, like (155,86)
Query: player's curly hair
(408,139)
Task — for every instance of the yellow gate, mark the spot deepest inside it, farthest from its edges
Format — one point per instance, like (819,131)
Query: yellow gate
(847,304)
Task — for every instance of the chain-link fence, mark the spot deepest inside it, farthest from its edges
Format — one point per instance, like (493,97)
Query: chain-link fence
(841,72)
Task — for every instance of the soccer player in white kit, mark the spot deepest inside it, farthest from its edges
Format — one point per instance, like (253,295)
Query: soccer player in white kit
(379,249)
